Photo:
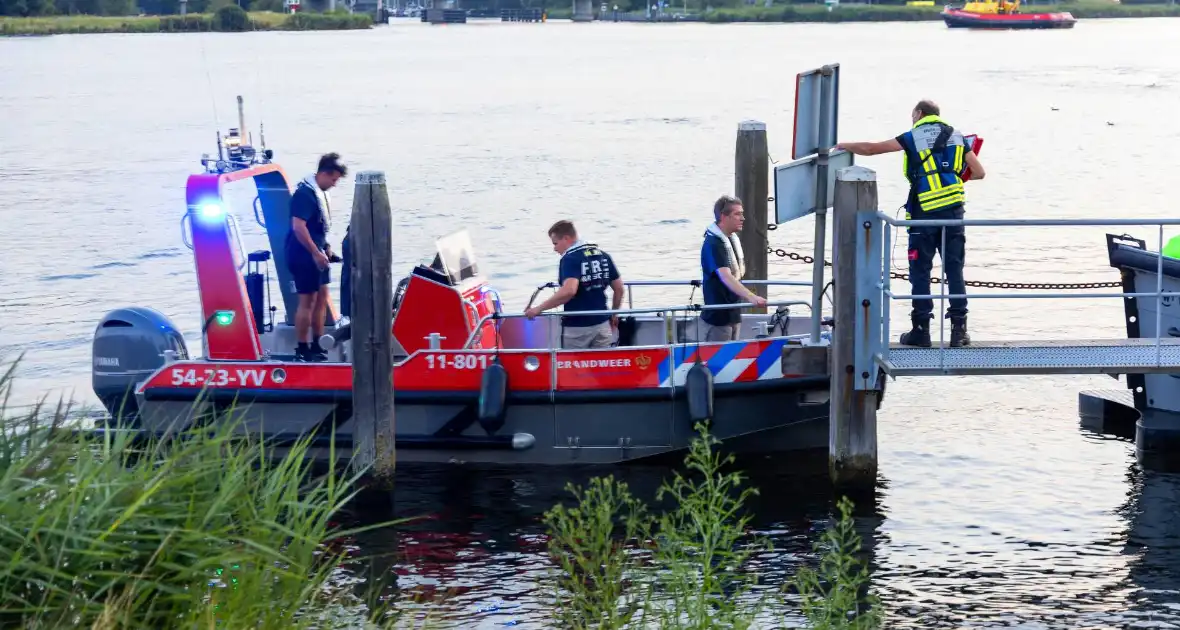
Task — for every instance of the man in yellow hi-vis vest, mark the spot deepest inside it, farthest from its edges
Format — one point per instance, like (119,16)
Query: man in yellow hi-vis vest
(934,158)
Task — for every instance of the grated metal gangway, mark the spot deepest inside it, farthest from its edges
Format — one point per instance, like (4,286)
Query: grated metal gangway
(1091,356)
(1150,297)
(862,357)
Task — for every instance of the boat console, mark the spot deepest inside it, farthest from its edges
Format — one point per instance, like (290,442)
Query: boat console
(444,304)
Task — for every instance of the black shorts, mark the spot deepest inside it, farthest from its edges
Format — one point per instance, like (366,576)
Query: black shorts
(307,277)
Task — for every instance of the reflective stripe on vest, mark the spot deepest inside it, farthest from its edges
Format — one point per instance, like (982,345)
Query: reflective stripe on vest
(937,184)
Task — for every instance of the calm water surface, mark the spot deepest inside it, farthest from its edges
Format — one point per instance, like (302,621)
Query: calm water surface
(995,508)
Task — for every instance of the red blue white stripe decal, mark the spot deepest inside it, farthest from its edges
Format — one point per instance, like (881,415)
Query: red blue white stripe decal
(730,362)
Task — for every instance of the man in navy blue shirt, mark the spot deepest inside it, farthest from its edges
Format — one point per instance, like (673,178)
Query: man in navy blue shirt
(722,267)
(308,255)
(584,273)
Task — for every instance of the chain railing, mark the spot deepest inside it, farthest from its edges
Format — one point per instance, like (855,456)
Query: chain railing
(987,284)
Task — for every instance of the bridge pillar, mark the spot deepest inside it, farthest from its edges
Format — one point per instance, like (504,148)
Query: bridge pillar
(583,10)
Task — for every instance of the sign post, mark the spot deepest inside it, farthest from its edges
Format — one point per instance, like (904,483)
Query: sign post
(805,185)
(827,138)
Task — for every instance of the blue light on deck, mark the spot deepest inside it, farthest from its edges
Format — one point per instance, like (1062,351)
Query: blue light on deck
(210,211)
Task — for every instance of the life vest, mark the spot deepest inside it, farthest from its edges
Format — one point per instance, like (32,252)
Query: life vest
(1172,249)
(933,159)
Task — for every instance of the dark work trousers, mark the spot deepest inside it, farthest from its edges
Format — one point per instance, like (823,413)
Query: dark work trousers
(346,276)
(925,241)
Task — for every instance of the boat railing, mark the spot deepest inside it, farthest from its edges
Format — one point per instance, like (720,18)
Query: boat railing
(697,283)
(669,313)
(674,283)
(213,211)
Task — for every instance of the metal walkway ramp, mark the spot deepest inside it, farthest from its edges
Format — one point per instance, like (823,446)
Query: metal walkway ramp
(1098,356)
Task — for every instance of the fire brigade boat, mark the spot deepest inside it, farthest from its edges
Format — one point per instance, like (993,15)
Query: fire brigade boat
(1003,14)
(561,406)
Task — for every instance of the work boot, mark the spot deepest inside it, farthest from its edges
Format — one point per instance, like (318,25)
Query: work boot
(959,336)
(919,335)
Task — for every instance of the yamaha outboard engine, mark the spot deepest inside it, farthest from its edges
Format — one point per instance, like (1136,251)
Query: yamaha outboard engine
(130,344)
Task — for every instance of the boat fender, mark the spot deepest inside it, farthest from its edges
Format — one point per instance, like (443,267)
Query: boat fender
(336,337)
(698,385)
(493,395)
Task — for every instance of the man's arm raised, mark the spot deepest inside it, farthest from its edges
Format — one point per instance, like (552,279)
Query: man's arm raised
(871,148)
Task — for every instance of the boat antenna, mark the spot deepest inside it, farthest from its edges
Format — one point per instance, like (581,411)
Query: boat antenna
(242,121)
(258,94)
(212,93)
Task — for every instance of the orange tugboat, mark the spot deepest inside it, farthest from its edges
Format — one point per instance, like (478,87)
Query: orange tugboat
(1002,14)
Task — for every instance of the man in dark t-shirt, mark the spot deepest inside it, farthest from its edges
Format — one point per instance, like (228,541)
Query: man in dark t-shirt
(308,255)
(722,267)
(584,273)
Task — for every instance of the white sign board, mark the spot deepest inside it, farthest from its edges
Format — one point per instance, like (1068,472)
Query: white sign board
(795,182)
(809,104)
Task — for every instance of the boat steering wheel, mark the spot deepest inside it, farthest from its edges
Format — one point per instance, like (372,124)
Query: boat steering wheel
(399,292)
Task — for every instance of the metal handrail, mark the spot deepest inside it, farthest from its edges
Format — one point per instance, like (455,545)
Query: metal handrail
(186,229)
(1024,222)
(672,283)
(235,232)
(688,308)
(884,284)
(1001,296)
(651,310)
(258,214)
(697,283)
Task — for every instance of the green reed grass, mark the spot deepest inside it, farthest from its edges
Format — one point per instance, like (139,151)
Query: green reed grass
(205,530)
(836,596)
(211,529)
(619,566)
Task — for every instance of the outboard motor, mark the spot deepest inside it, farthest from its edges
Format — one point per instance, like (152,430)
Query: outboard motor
(129,344)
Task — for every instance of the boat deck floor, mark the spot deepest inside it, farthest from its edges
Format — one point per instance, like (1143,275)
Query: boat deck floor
(1089,356)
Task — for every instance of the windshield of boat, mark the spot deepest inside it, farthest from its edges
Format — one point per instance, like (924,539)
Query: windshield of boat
(457,256)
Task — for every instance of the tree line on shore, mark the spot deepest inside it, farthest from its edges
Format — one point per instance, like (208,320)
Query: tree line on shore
(39,8)
(721,10)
